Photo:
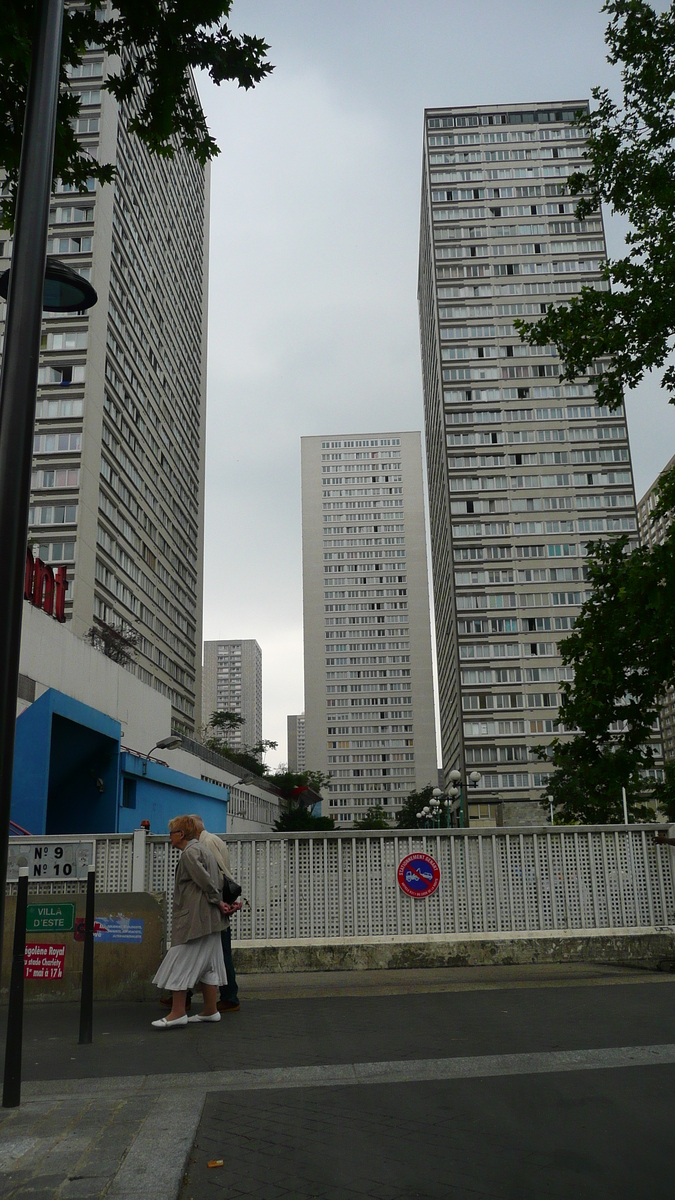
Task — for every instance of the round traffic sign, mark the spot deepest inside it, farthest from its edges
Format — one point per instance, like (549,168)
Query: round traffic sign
(418,875)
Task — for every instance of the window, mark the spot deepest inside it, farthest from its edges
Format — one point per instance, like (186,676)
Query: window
(64,216)
(59,408)
(55,551)
(72,245)
(53,514)
(50,443)
(85,125)
(71,339)
(59,477)
(86,70)
(61,376)
(90,97)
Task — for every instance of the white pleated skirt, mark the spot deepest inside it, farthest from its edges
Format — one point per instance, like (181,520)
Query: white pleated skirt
(197,961)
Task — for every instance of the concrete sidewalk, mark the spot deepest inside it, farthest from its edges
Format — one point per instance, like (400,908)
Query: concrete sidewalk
(118,1118)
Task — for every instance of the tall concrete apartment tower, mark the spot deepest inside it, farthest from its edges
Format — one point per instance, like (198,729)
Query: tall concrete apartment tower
(522,469)
(653,533)
(232,682)
(369,702)
(118,469)
(295,730)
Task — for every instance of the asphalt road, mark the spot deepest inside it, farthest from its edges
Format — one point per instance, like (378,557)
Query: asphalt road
(461,1115)
(563,1013)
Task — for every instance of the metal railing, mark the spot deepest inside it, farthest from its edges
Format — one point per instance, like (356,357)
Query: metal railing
(343,885)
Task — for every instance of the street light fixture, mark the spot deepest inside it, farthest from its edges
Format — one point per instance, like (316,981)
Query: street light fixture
(168,743)
(64,290)
(458,789)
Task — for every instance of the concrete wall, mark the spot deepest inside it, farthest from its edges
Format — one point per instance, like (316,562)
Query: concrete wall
(649,949)
(122,971)
(54,658)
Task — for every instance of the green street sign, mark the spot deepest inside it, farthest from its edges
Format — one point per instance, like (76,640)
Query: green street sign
(50,918)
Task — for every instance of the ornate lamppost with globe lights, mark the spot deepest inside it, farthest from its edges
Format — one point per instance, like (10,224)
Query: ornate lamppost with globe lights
(457,792)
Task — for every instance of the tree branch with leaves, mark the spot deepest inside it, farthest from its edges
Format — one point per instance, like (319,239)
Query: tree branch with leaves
(631,168)
(157,44)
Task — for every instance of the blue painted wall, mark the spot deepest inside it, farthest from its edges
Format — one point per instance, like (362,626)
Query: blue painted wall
(159,793)
(71,777)
(66,767)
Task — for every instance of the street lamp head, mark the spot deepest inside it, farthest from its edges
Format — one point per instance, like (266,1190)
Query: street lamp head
(455,776)
(169,743)
(453,791)
(474,776)
(64,290)
(437,792)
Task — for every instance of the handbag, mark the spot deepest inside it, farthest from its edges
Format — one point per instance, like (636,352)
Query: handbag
(231,890)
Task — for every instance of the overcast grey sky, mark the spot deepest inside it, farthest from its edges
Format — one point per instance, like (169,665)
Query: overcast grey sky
(314,231)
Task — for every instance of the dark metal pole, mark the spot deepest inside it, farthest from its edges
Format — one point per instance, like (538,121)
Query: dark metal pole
(87,993)
(18,380)
(11,1089)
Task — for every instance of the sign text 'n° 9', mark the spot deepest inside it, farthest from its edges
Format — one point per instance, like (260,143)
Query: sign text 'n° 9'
(418,875)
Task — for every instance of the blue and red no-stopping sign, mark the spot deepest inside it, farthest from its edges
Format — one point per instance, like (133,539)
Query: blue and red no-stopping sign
(418,875)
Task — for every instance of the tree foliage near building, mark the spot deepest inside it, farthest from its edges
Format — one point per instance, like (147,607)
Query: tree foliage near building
(158,45)
(623,646)
(375,818)
(622,651)
(218,734)
(299,791)
(406,817)
(631,168)
(117,642)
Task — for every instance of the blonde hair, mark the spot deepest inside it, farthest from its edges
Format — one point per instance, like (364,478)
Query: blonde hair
(185,825)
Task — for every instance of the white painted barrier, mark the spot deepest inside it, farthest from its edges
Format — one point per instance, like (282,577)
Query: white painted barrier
(330,885)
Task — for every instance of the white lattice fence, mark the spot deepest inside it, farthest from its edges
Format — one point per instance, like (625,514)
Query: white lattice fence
(335,885)
(344,885)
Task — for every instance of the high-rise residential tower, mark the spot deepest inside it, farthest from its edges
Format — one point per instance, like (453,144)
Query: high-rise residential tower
(118,470)
(523,470)
(653,533)
(232,682)
(369,703)
(295,728)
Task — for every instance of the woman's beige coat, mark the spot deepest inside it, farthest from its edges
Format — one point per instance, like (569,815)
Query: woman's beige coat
(198,890)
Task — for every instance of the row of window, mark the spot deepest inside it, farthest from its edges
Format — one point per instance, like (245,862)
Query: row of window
(579,433)
(491,483)
(537,504)
(537,575)
(505,675)
(522,528)
(483,729)
(525,600)
(489,650)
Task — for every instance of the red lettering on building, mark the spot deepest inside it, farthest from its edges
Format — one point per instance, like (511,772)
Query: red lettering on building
(45,588)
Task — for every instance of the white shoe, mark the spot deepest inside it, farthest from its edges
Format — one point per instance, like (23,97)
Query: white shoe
(198,1018)
(165,1023)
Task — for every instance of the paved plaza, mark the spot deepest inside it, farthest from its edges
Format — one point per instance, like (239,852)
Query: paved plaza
(509,1082)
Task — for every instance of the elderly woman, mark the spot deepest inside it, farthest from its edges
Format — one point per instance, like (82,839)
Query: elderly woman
(196,954)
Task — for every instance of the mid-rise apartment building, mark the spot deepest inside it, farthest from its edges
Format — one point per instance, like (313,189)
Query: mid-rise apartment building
(523,469)
(369,704)
(118,470)
(653,533)
(232,682)
(295,729)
